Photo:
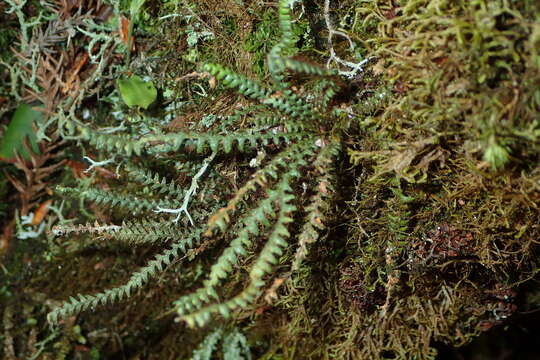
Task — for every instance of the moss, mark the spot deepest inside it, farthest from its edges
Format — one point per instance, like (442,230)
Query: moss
(442,231)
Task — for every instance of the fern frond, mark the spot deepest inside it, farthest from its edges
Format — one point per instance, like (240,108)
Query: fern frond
(263,265)
(207,346)
(235,346)
(287,159)
(287,102)
(231,122)
(245,86)
(304,67)
(110,199)
(148,231)
(279,125)
(155,182)
(243,140)
(96,228)
(275,65)
(160,143)
(254,223)
(318,206)
(132,232)
(122,143)
(83,302)
(327,89)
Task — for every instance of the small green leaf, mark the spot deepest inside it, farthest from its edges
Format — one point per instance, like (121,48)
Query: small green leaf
(137,92)
(18,129)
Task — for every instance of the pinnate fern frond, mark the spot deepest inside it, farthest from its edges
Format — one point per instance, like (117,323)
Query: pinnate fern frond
(304,67)
(275,65)
(147,231)
(95,228)
(136,232)
(254,224)
(234,346)
(161,143)
(111,199)
(327,89)
(319,203)
(245,86)
(294,154)
(155,182)
(122,143)
(208,346)
(287,101)
(241,141)
(136,281)
(268,257)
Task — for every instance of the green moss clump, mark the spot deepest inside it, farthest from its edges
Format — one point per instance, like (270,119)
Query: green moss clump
(444,211)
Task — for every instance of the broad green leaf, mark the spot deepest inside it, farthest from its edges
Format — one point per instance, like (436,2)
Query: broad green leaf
(19,128)
(137,92)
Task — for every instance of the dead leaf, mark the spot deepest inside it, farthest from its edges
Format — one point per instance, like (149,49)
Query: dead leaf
(41,212)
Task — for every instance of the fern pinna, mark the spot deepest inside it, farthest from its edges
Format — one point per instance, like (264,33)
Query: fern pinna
(300,125)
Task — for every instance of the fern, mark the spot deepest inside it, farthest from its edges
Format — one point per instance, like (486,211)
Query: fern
(304,138)
(255,223)
(234,346)
(128,202)
(318,205)
(267,258)
(137,280)
(155,182)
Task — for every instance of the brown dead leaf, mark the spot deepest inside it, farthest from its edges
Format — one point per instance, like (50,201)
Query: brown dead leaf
(212,82)
(124,29)
(434,155)
(41,212)
(81,60)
